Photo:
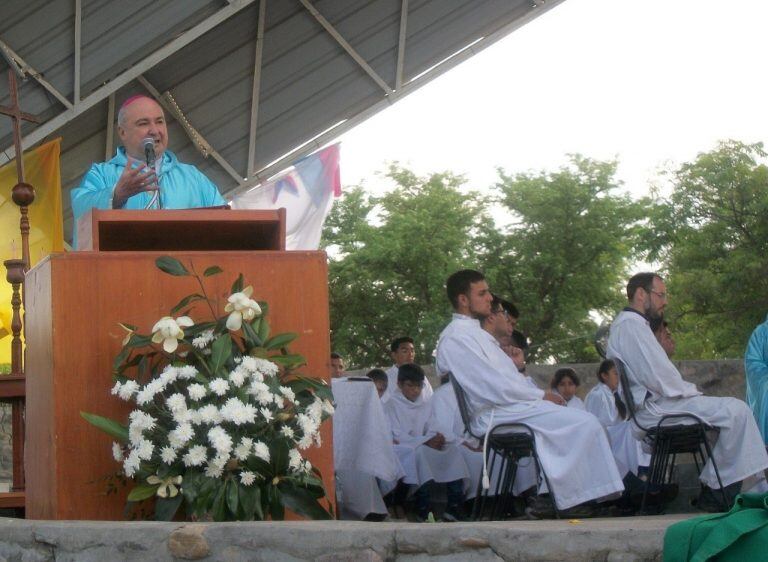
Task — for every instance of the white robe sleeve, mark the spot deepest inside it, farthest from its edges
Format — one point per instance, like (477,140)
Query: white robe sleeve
(401,432)
(599,405)
(461,355)
(637,347)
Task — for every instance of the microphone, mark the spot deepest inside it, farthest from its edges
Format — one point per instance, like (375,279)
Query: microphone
(149,151)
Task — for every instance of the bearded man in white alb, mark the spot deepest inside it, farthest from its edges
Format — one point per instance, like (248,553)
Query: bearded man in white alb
(658,389)
(571,444)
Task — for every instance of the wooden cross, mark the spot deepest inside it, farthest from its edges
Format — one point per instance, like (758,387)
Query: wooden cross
(17,115)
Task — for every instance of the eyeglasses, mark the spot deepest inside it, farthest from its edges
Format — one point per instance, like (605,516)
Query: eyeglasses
(662,296)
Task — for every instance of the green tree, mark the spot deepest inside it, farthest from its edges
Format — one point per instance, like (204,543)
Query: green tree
(389,257)
(565,254)
(712,236)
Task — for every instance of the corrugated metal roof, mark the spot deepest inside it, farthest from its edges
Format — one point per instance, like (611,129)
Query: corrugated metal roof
(309,83)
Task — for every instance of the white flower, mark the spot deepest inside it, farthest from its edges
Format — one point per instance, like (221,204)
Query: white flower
(128,390)
(264,398)
(306,466)
(307,424)
(279,400)
(196,391)
(318,440)
(176,402)
(148,393)
(261,451)
(241,307)
(237,412)
(243,450)
(195,418)
(168,454)
(117,452)
(116,388)
(220,440)
(145,449)
(131,464)
(210,414)
(237,377)
(219,386)
(196,456)
(288,393)
(261,366)
(168,331)
(181,435)
(203,339)
(182,416)
(247,477)
(142,419)
(305,442)
(328,407)
(267,413)
(287,431)
(214,471)
(294,459)
(187,372)
(168,375)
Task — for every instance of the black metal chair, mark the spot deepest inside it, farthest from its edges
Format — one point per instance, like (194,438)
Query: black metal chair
(508,443)
(668,441)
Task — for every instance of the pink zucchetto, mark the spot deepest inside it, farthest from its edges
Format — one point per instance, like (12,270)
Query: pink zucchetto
(132,99)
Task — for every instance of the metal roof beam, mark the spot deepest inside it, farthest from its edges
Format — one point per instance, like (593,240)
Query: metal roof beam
(109,148)
(78,42)
(346,46)
(27,70)
(124,78)
(401,45)
(442,67)
(256,87)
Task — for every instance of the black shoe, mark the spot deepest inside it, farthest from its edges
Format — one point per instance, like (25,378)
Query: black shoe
(454,514)
(541,507)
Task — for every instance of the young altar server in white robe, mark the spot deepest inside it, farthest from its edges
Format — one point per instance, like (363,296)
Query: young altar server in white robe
(657,389)
(565,382)
(605,403)
(425,454)
(402,351)
(571,444)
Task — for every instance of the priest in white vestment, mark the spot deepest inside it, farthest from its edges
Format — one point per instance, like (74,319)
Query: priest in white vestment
(402,352)
(571,444)
(657,389)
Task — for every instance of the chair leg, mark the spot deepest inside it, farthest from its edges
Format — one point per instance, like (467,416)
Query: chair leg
(542,474)
(714,466)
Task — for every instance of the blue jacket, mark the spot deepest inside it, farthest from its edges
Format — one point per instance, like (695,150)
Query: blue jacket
(756,369)
(182,186)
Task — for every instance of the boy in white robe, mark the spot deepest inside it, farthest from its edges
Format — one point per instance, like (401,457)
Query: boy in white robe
(571,444)
(424,454)
(657,389)
(402,352)
(604,402)
(565,382)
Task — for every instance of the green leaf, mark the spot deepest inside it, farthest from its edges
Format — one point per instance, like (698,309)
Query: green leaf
(213,270)
(221,350)
(142,492)
(108,426)
(263,331)
(186,300)
(301,502)
(237,286)
(290,361)
(250,502)
(219,507)
(280,340)
(276,510)
(166,508)
(232,497)
(278,453)
(139,341)
(251,337)
(171,266)
(120,358)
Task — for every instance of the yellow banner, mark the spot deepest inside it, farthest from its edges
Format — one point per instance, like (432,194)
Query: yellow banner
(46,235)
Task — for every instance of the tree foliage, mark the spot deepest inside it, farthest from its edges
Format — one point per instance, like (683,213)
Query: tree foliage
(712,236)
(566,254)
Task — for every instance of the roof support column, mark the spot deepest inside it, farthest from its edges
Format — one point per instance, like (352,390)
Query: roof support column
(256,87)
(401,45)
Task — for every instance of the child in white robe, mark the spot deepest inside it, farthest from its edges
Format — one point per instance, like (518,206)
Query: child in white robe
(604,402)
(424,454)
(565,382)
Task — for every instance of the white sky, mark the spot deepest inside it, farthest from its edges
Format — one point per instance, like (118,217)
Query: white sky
(648,81)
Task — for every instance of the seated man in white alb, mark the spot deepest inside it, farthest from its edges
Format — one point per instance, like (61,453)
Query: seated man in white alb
(402,352)
(658,389)
(571,444)
(604,402)
(424,453)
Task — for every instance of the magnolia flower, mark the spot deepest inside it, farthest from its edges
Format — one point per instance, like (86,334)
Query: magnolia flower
(167,486)
(169,331)
(247,477)
(241,307)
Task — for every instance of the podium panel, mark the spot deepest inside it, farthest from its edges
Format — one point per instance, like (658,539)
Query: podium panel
(74,302)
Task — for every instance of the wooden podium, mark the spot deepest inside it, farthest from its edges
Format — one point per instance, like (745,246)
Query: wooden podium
(73,304)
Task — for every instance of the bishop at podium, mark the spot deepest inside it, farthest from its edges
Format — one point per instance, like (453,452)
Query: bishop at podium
(143,174)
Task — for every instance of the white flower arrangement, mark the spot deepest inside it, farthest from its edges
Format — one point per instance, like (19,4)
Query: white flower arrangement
(221,418)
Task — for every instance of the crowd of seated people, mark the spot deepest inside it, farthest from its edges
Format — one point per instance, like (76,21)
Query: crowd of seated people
(592,452)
